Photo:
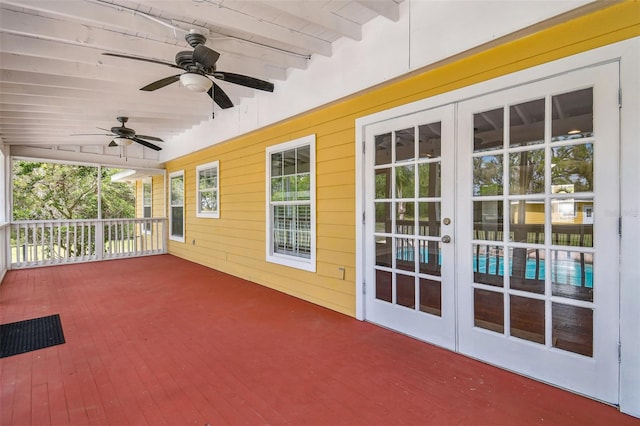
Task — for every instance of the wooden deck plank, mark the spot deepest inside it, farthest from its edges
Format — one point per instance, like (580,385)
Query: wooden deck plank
(163,341)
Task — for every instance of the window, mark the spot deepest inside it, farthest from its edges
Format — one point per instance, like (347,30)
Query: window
(291,222)
(207,187)
(146,203)
(176,201)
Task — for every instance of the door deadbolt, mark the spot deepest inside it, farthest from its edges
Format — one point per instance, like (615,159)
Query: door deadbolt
(446,221)
(445,239)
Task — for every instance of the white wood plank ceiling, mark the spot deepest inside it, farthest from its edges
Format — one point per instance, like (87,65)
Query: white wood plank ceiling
(56,82)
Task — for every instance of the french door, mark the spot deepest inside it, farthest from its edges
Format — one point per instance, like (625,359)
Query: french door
(496,228)
(409,191)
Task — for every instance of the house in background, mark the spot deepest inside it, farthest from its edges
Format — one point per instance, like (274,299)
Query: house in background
(466,175)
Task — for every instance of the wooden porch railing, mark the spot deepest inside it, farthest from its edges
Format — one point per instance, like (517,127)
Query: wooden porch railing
(42,242)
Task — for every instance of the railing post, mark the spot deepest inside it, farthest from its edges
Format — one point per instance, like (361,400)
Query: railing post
(99,242)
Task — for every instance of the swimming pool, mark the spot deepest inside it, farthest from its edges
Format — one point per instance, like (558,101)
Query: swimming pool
(563,271)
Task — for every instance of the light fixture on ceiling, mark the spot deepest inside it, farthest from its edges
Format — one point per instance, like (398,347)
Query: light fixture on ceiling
(195,82)
(122,141)
(574,131)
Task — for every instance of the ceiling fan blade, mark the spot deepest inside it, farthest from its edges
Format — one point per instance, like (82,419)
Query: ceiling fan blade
(112,144)
(205,56)
(138,58)
(244,80)
(149,138)
(219,97)
(161,83)
(145,143)
(92,134)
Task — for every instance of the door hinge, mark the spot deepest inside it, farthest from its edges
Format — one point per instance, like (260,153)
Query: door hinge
(619,352)
(364,220)
(620,226)
(364,146)
(620,97)
(364,287)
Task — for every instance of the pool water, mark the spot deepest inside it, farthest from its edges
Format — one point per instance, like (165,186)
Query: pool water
(563,271)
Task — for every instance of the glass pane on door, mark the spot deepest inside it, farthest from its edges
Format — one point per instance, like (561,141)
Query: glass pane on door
(408,185)
(532,198)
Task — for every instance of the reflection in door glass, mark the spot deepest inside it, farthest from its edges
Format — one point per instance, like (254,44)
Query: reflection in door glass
(488,310)
(488,264)
(405,254)
(405,217)
(526,269)
(526,172)
(405,144)
(429,179)
(405,290)
(430,139)
(405,181)
(526,221)
(572,168)
(430,296)
(488,220)
(572,115)
(383,217)
(429,219)
(572,274)
(572,328)
(384,252)
(488,130)
(569,226)
(527,318)
(526,123)
(383,183)
(487,175)
(383,149)
(430,260)
(383,285)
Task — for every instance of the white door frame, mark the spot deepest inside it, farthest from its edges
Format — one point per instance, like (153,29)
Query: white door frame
(628,54)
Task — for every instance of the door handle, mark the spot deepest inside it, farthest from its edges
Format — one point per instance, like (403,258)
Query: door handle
(445,239)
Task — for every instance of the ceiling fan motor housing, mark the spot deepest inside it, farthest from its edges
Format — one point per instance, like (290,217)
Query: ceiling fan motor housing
(123,131)
(195,39)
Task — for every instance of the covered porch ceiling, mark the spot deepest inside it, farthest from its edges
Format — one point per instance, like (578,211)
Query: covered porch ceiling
(59,90)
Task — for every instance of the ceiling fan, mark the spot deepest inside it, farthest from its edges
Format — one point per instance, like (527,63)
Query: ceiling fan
(126,136)
(200,64)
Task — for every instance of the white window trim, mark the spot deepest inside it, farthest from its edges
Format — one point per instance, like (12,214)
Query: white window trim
(283,259)
(147,181)
(171,236)
(212,165)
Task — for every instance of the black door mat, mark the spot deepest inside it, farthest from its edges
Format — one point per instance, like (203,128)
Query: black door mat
(30,335)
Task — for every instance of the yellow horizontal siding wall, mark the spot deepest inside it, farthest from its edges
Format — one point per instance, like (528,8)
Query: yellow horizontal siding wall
(235,243)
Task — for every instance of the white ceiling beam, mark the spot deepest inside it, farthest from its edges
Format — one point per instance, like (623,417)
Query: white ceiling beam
(231,62)
(102,16)
(78,156)
(74,107)
(314,13)
(224,17)
(43,28)
(159,97)
(387,8)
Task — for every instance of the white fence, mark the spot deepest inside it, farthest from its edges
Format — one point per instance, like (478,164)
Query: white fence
(44,242)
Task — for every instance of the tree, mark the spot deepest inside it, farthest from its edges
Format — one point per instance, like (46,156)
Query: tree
(52,191)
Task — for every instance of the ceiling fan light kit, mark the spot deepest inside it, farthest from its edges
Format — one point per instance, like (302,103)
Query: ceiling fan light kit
(122,141)
(195,82)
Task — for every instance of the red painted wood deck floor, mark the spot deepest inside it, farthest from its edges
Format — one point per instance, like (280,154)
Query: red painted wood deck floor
(162,341)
